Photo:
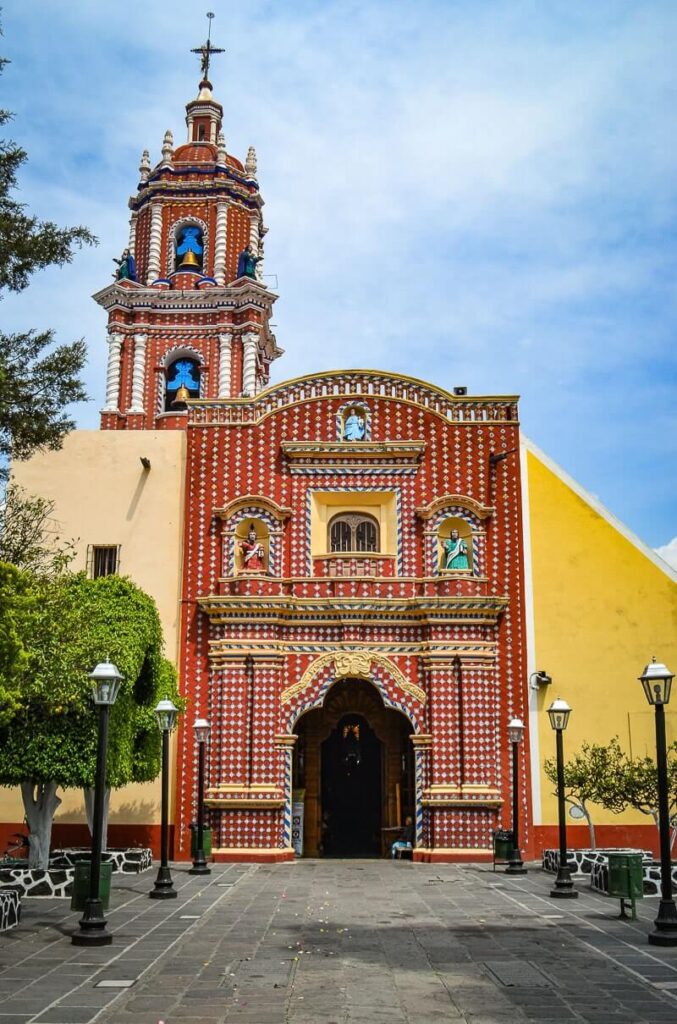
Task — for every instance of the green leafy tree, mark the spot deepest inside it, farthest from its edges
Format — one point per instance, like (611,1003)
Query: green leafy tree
(29,537)
(37,379)
(15,601)
(589,778)
(636,785)
(50,740)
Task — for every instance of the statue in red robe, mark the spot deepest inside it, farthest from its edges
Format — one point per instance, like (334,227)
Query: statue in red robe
(253,552)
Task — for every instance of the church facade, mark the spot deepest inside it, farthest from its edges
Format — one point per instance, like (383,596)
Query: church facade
(348,565)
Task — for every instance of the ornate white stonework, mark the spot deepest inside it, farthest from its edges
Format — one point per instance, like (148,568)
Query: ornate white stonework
(138,373)
(250,344)
(221,148)
(250,163)
(131,244)
(220,243)
(225,356)
(167,147)
(144,166)
(113,372)
(155,244)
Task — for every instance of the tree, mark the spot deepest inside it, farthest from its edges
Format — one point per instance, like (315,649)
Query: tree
(15,599)
(29,538)
(50,739)
(589,778)
(636,785)
(36,379)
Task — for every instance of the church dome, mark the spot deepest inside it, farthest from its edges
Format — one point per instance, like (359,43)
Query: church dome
(195,153)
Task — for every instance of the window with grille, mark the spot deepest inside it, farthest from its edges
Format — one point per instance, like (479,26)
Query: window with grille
(353,532)
(103,559)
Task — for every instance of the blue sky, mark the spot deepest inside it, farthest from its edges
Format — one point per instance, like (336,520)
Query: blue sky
(472,192)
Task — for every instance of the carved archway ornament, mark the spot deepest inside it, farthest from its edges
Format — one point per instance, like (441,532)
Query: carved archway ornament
(353,665)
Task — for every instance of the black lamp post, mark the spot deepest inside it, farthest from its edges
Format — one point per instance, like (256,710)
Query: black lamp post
(166,715)
(200,866)
(106,682)
(657,682)
(515,734)
(559,712)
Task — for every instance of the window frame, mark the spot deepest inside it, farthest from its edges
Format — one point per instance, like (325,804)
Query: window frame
(353,520)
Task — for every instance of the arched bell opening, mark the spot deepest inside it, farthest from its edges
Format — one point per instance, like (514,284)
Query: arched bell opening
(354,764)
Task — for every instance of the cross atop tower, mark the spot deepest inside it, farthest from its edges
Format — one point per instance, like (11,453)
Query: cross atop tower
(206,50)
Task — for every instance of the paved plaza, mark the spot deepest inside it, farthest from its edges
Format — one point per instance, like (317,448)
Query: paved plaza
(331,942)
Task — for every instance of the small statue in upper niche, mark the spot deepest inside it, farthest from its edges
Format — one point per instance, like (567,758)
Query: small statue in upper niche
(246,263)
(354,428)
(126,267)
(253,552)
(455,552)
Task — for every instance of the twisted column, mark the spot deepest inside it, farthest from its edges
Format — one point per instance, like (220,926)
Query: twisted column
(225,357)
(255,244)
(131,244)
(113,372)
(220,244)
(155,244)
(249,344)
(138,372)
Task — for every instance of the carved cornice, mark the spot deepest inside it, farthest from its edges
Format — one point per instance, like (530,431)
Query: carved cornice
(278,512)
(292,611)
(447,500)
(333,453)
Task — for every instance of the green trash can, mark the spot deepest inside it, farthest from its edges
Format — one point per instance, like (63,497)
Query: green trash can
(626,879)
(502,844)
(81,884)
(206,841)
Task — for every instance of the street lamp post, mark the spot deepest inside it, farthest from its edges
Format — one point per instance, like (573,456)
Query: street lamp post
(166,715)
(515,734)
(200,866)
(657,682)
(558,713)
(106,682)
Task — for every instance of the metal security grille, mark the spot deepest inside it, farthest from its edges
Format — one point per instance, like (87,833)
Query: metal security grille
(104,560)
(351,532)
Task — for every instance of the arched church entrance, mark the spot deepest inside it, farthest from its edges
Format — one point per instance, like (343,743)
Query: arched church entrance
(354,764)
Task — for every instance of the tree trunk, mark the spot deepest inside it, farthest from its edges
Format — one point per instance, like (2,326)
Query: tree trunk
(591,827)
(40,804)
(89,811)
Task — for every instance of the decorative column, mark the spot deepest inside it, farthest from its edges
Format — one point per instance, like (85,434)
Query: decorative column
(113,372)
(155,245)
(225,357)
(249,346)
(255,245)
(421,743)
(138,373)
(285,744)
(220,244)
(131,244)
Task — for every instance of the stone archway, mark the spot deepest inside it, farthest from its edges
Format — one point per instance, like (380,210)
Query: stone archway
(382,786)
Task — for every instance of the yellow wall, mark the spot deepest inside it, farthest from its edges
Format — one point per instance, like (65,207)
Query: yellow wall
(602,608)
(103,495)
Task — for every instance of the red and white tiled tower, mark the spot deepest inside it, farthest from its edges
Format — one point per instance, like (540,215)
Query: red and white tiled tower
(189,313)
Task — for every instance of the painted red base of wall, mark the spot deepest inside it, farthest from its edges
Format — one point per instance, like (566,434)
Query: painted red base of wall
(445,857)
(77,834)
(546,837)
(253,857)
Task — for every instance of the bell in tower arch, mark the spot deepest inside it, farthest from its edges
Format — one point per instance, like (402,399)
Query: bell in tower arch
(189,248)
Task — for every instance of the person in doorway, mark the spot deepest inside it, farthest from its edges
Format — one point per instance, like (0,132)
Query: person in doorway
(405,840)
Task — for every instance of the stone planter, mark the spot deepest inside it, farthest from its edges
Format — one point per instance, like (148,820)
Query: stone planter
(10,907)
(57,882)
(581,862)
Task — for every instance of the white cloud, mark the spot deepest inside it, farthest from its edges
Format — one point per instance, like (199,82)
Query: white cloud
(668,552)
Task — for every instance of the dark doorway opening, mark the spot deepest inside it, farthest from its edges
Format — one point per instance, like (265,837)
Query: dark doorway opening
(351,790)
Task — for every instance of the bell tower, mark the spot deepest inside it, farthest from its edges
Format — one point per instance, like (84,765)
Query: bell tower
(189,312)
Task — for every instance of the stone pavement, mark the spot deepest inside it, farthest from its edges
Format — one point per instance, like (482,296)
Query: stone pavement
(331,942)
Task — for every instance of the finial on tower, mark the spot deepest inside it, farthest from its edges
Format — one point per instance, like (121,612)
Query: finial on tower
(206,51)
(220,148)
(167,147)
(250,162)
(144,166)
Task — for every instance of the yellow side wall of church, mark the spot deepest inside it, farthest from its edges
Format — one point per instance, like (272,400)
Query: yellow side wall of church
(602,609)
(103,495)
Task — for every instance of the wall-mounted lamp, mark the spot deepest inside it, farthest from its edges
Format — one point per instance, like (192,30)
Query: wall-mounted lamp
(145,462)
(496,457)
(539,678)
